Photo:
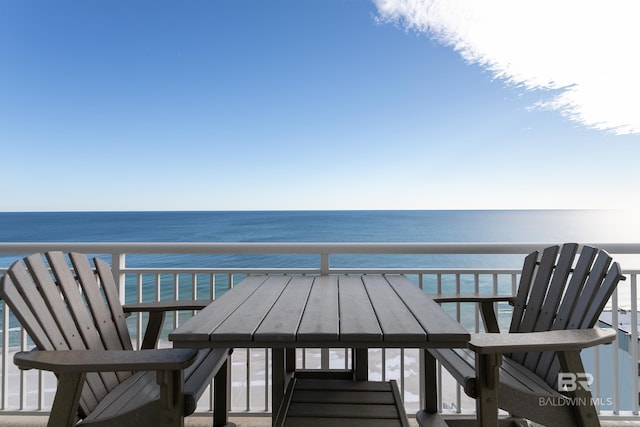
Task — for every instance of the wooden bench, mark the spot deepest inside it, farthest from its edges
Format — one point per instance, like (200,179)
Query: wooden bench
(330,402)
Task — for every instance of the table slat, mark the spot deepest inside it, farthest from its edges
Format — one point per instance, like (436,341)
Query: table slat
(281,323)
(199,327)
(241,325)
(320,321)
(358,321)
(396,322)
(440,327)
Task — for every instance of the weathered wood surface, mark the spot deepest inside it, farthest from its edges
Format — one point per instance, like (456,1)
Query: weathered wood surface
(325,311)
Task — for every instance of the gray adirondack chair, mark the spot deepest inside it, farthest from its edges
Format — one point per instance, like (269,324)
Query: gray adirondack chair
(73,314)
(557,305)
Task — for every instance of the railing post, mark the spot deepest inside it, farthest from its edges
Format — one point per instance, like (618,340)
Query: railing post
(324,359)
(5,356)
(633,345)
(616,347)
(118,263)
(324,264)
(324,271)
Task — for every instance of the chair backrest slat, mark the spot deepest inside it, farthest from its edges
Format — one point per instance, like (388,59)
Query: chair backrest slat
(112,298)
(29,306)
(76,305)
(589,292)
(535,299)
(574,288)
(106,323)
(526,278)
(602,297)
(556,289)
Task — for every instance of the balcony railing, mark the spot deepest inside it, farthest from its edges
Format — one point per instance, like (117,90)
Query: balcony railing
(155,271)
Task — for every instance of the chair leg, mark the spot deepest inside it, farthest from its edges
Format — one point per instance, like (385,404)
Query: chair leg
(171,398)
(487,382)
(65,404)
(584,411)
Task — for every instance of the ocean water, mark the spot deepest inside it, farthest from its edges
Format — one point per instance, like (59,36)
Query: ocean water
(580,226)
(314,226)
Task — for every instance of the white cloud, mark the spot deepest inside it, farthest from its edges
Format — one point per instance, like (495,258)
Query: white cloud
(586,51)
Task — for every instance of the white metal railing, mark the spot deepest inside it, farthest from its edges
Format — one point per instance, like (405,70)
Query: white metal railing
(150,278)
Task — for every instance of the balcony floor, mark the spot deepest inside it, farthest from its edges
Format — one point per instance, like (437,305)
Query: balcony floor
(17,420)
(192,421)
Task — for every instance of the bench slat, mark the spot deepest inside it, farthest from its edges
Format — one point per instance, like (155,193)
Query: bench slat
(319,402)
(345,422)
(366,397)
(333,385)
(342,410)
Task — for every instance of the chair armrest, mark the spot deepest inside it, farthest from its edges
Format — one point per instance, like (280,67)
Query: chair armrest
(64,361)
(157,310)
(161,306)
(485,303)
(563,340)
(473,298)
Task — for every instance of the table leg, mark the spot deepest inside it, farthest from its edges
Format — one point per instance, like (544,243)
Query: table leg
(430,382)
(290,362)
(221,394)
(360,364)
(277,380)
(283,367)
(425,417)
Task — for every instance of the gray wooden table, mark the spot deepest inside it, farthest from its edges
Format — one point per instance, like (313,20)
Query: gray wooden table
(359,312)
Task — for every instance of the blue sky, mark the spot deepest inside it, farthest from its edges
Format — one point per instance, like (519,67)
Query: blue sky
(313,104)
